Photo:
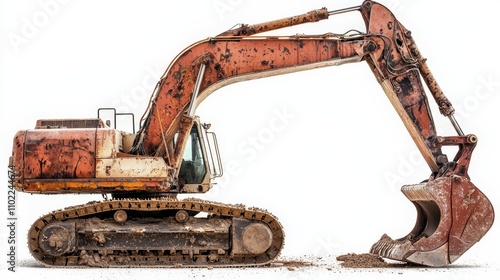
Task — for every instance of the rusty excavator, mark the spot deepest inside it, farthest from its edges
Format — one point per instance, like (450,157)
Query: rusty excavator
(143,223)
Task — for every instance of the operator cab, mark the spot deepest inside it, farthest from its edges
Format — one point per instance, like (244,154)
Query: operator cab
(201,159)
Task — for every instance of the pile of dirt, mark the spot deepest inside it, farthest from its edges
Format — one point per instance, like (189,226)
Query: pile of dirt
(362,261)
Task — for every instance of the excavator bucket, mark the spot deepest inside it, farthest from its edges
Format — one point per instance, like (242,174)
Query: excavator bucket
(452,215)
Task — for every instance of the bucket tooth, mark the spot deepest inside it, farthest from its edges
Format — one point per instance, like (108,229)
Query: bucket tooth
(386,247)
(452,215)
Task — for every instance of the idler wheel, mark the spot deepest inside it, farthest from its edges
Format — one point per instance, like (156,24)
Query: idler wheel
(257,238)
(57,239)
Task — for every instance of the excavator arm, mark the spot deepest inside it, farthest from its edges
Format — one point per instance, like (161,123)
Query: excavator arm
(235,56)
(452,213)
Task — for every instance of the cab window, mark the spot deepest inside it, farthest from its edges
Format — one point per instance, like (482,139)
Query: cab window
(193,168)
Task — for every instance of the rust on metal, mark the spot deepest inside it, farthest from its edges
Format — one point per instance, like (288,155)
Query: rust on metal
(59,154)
(143,226)
(82,160)
(247,30)
(237,60)
(453,215)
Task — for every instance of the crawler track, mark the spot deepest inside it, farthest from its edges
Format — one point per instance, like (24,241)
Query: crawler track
(171,256)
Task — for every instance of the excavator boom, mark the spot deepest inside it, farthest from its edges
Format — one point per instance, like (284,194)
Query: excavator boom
(232,59)
(145,225)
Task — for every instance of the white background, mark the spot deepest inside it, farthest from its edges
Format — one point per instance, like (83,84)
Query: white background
(330,171)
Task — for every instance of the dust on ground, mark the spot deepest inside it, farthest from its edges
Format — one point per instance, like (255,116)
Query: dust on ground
(353,260)
(350,260)
(361,261)
(291,264)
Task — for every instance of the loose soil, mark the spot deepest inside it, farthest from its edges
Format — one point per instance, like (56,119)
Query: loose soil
(366,261)
(361,261)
